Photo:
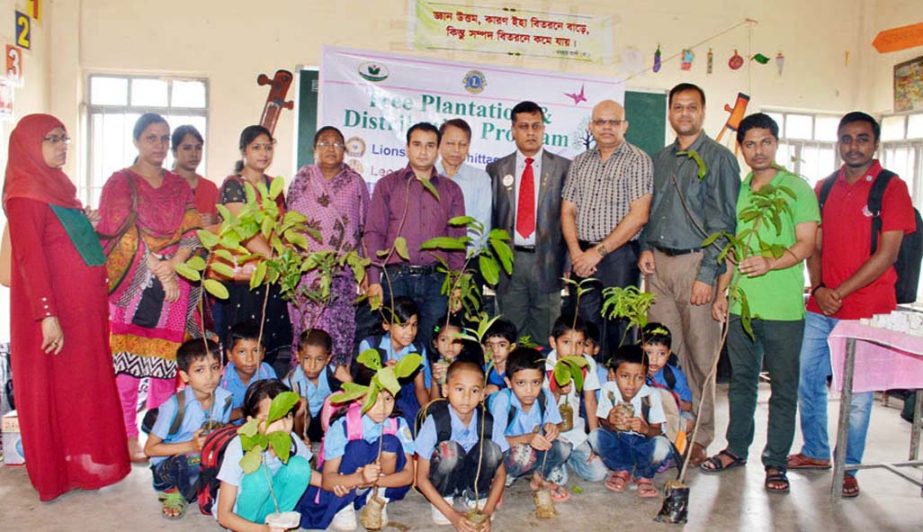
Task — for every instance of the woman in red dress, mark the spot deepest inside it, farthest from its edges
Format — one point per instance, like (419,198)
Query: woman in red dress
(72,430)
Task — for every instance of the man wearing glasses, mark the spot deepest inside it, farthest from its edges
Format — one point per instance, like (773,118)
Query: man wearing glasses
(607,198)
(527,203)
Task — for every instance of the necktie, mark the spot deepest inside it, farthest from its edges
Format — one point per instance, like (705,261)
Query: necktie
(525,209)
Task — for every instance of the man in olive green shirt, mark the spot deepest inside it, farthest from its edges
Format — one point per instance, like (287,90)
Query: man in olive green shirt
(686,209)
(773,283)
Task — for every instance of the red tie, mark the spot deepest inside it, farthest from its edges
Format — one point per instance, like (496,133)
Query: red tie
(525,210)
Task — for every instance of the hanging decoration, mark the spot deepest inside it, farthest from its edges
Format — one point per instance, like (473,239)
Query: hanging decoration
(688,57)
(710,63)
(759,58)
(780,62)
(656,67)
(737,114)
(736,61)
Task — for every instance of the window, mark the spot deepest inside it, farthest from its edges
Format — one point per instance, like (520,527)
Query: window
(807,143)
(901,150)
(116,102)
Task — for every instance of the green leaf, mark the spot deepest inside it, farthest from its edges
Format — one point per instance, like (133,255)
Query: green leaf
(296,239)
(280,406)
(266,227)
(250,193)
(400,247)
(257,278)
(222,269)
(226,215)
(561,374)
(387,380)
(230,241)
(428,185)
(275,188)
(250,428)
(207,238)
(407,365)
(503,251)
(577,375)
(187,272)
(489,269)
(281,443)
(445,243)
(383,252)
(711,239)
(370,359)
(348,395)
(461,220)
(216,289)
(251,460)
(196,262)
(372,397)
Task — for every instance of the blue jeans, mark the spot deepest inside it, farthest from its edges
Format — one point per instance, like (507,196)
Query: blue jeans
(426,292)
(522,459)
(594,470)
(628,451)
(179,471)
(812,396)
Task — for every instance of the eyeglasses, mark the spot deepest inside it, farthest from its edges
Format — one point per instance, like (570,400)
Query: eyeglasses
(57,139)
(599,122)
(334,145)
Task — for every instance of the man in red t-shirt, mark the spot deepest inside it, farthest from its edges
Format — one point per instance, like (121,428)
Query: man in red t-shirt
(848,282)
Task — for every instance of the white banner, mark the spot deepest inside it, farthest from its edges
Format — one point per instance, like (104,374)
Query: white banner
(373,98)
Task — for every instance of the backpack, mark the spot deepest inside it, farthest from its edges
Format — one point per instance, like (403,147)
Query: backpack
(212,456)
(439,409)
(910,254)
(513,412)
(150,418)
(353,428)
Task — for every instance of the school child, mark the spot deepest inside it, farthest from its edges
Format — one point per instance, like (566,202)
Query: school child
(629,440)
(592,349)
(245,363)
(567,339)
(245,499)
(499,342)
(183,421)
(665,376)
(351,467)
(449,447)
(400,324)
(314,379)
(525,412)
(446,348)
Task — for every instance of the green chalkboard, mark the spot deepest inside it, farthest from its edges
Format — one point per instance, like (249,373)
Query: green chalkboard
(646,113)
(647,120)
(307,115)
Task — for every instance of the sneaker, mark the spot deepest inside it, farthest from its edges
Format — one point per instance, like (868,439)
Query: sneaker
(438,517)
(345,519)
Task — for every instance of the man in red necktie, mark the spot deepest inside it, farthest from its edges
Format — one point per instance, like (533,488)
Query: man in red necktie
(527,203)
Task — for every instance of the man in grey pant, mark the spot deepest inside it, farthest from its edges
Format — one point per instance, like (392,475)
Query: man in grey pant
(681,274)
(526,189)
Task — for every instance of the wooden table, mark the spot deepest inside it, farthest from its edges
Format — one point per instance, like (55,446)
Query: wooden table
(864,359)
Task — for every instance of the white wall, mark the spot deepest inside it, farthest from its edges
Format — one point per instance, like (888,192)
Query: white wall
(878,82)
(32,97)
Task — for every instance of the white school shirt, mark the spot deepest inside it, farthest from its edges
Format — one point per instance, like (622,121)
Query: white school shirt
(610,391)
(577,435)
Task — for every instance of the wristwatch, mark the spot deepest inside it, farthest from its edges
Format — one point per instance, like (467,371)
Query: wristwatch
(601,249)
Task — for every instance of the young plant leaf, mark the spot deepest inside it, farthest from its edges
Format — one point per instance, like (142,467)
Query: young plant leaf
(461,220)
(428,185)
(370,359)
(249,428)
(196,262)
(400,247)
(252,460)
(257,278)
(222,269)
(281,405)
(281,443)
(207,238)
(216,289)
(275,188)
(445,243)
(387,380)
(187,272)
(407,365)
(489,269)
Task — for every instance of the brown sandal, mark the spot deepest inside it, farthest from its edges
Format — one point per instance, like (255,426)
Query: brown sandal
(850,487)
(801,461)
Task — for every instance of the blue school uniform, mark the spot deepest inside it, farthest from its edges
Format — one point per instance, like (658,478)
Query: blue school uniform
(406,400)
(466,436)
(314,393)
(523,422)
(231,382)
(680,387)
(181,471)
(193,417)
(496,378)
(317,506)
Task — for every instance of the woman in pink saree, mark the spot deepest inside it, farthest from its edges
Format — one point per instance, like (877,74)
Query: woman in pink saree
(148,225)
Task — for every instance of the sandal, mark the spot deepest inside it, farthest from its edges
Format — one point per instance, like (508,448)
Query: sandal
(172,505)
(646,489)
(776,482)
(617,481)
(715,465)
(802,461)
(850,487)
(558,493)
